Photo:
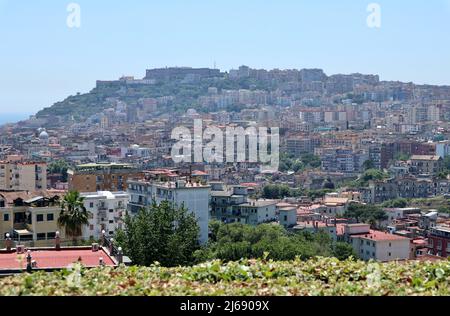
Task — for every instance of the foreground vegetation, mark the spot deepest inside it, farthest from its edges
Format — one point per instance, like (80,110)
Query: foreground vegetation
(232,242)
(169,235)
(316,277)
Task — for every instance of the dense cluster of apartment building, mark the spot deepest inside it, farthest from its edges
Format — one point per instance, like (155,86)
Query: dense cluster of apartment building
(120,159)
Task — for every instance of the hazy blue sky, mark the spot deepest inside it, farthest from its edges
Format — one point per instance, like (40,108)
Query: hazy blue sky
(43,61)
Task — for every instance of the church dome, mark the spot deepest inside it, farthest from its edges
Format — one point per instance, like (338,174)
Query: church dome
(191,112)
(43,135)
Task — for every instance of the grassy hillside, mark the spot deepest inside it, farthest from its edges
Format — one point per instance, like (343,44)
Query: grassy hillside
(316,277)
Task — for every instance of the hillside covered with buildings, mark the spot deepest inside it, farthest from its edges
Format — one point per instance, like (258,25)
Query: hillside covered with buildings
(364,168)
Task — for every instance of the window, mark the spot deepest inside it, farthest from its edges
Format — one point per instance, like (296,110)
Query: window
(40,218)
(390,254)
(40,236)
(91,205)
(111,211)
(50,217)
(91,227)
(111,222)
(390,244)
(51,235)
(6,217)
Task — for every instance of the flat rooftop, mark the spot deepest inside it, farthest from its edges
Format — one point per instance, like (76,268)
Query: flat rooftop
(104,195)
(102,166)
(259,203)
(171,184)
(54,259)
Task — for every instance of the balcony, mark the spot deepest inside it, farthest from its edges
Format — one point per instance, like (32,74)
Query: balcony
(102,207)
(20,226)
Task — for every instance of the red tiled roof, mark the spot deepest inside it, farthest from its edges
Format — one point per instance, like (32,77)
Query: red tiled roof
(199,173)
(381,236)
(420,242)
(249,184)
(429,258)
(52,259)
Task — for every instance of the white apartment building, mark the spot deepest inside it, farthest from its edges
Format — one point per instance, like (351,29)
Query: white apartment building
(193,196)
(434,113)
(376,245)
(288,216)
(443,149)
(106,212)
(231,204)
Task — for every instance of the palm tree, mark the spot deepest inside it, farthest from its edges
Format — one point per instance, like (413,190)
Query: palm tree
(73,215)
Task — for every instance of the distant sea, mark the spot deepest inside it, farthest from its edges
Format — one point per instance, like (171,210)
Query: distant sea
(13,117)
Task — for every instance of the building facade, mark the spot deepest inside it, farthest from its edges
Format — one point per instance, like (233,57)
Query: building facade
(376,245)
(101,177)
(23,176)
(193,196)
(426,164)
(231,204)
(106,213)
(439,241)
(30,217)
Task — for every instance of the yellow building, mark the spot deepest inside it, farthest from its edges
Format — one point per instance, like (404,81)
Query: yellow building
(23,176)
(30,218)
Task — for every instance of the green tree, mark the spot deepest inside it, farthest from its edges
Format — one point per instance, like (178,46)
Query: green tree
(160,233)
(73,215)
(369,214)
(369,164)
(402,157)
(311,160)
(397,203)
(343,251)
(447,163)
(59,166)
(274,191)
(238,241)
(373,174)
(214,227)
(369,175)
